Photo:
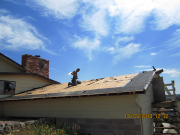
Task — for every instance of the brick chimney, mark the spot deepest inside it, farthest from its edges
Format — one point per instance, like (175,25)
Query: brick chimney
(31,64)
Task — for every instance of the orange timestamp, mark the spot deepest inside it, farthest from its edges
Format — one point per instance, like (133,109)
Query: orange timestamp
(145,116)
(137,116)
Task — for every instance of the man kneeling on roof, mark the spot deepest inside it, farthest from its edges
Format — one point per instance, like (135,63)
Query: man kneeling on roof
(75,77)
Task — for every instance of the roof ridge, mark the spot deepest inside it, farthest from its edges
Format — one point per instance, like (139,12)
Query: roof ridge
(12,60)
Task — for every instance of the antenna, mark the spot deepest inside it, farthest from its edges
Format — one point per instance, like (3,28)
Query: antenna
(41,65)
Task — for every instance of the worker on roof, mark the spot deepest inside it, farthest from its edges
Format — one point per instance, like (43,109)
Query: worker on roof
(74,80)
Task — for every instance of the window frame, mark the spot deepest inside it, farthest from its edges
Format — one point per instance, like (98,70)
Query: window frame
(4,90)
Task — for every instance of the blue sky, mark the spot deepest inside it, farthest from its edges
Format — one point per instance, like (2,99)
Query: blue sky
(102,38)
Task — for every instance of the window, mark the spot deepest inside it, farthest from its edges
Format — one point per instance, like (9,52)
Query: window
(7,87)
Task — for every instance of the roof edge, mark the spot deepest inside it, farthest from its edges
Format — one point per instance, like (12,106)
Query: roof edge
(77,96)
(152,77)
(33,74)
(23,68)
(149,82)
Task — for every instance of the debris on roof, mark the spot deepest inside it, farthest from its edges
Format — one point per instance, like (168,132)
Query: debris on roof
(109,82)
(130,84)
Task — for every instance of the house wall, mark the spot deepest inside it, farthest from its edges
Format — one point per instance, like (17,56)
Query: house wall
(87,107)
(96,115)
(145,101)
(6,66)
(25,82)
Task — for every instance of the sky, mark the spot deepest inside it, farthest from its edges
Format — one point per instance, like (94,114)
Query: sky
(103,38)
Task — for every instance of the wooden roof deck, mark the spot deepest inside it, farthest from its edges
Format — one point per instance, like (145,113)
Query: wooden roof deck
(109,82)
(136,83)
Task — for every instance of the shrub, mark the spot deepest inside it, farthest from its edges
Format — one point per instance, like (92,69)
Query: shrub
(49,130)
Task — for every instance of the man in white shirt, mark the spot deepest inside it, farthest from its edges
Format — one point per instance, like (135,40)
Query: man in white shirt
(75,77)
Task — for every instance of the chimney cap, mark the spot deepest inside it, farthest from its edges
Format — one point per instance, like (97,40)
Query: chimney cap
(37,55)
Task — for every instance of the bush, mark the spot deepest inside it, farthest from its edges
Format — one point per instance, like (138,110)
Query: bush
(49,130)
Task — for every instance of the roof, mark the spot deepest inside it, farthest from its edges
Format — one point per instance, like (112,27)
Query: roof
(29,74)
(22,67)
(125,84)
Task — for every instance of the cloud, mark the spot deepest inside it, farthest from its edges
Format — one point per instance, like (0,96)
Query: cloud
(177,54)
(87,45)
(54,69)
(142,66)
(117,16)
(18,34)
(111,49)
(63,48)
(174,42)
(129,17)
(4,11)
(166,14)
(118,42)
(125,52)
(119,50)
(122,40)
(172,72)
(47,50)
(64,9)
(19,2)
(30,18)
(95,22)
(109,18)
(153,53)
(112,16)
(148,48)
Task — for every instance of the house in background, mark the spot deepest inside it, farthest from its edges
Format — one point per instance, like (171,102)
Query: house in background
(119,105)
(15,78)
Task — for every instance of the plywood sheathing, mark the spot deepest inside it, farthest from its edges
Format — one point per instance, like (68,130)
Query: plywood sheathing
(109,82)
(136,85)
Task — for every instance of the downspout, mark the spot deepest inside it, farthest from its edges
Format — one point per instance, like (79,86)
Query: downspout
(142,126)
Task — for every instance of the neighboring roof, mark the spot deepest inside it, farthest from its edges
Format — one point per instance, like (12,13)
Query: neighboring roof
(27,74)
(126,84)
(22,67)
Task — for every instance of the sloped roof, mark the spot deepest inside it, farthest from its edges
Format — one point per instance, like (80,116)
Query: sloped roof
(29,74)
(131,84)
(109,82)
(23,68)
(12,61)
